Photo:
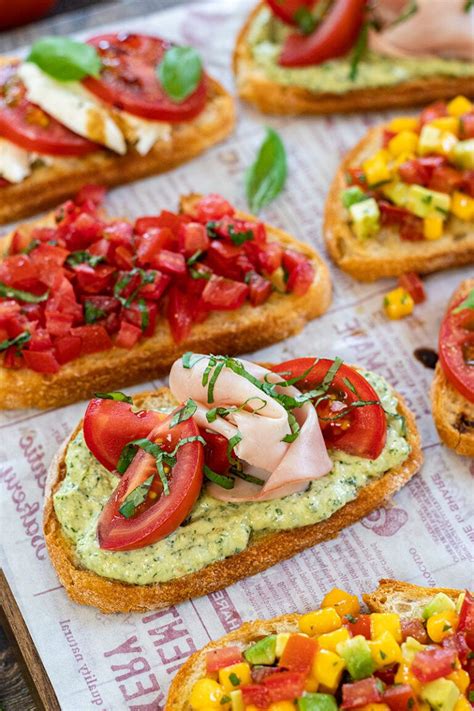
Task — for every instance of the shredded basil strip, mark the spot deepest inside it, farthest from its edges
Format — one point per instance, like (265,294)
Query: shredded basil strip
(410,10)
(193,259)
(25,296)
(146,277)
(359,50)
(196,274)
(31,246)
(468,302)
(213,413)
(351,406)
(349,385)
(184,413)
(266,177)
(239,238)
(190,359)
(294,427)
(83,257)
(135,498)
(19,341)
(221,479)
(65,59)
(233,442)
(239,472)
(92,313)
(115,395)
(180,72)
(212,382)
(144,314)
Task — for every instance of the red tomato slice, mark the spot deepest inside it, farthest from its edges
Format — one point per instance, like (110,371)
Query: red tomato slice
(286,10)
(456,346)
(216,451)
(298,653)
(333,37)
(158,516)
(128,78)
(433,663)
(109,425)
(219,658)
(26,125)
(364,430)
(360,693)
(400,698)
(466,614)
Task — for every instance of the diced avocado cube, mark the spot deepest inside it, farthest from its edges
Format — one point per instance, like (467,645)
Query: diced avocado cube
(365,217)
(356,654)
(441,694)
(317,702)
(439,603)
(237,700)
(397,192)
(350,196)
(411,647)
(263,651)
(427,203)
(463,154)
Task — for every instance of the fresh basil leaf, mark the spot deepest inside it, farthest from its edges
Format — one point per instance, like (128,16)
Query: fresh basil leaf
(360,48)
(194,257)
(135,498)
(83,257)
(92,313)
(468,303)
(31,246)
(116,395)
(65,59)
(469,4)
(266,176)
(305,20)
(239,238)
(184,413)
(180,72)
(18,341)
(221,479)
(25,296)
(233,442)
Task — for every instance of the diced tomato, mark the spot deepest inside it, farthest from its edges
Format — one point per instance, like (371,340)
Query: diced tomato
(12,358)
(57,323)
(17,269)
(94,338)
(360,693)
(172,263)
(387,137)
(40,340)
(284,685)
(19,242)
(119,233)
(468,182)
(83,231)
(156,288)
(227,260)
(415,629)
(467,125)
(215,452)
(193,238)
(392,214)
(107,304)
(433,663)
(432,112)
(298,653)
(387,674)
(102,248)
(400,698)
(259,289)
(255,695)
(223,657)
(300,278)
(151,242)
(143,316)
(41,361)
(411,229)
(10,309)
(212,207)
(112,323)
(91,193)
(459,643)
(222,294)
(292,259)
(259,673)
(128,335)
(414,172)
(466,618)
(180,313)
(445,179)
(48,256)
(270,257)
(412,283)
(361,625)
(67,348)
(356,176)
(123,258)
(92,280)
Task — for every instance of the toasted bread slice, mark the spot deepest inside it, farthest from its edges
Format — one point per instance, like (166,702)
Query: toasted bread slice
(245,329)
(386,254)
(49,184)
(453,413)
(88,588)
(391,596)
(272,98)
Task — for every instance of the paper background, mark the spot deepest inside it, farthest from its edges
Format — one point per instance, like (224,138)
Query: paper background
(424,536)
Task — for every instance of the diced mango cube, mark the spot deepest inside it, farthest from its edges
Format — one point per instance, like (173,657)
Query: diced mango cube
(327,669)
(462,206)
(376,168)
(206,693)
(403,142)
(311,684)
(235,675)
(331,639)
(441,624)
(459,106)
(403,123)
(397,304)
(282,706)
(434,140)
(447,123)
(320,621)
(374,707)
(462,704)
(404,676)
(461,679)
(433,227)
(385,650)
(381,622)
(343,602)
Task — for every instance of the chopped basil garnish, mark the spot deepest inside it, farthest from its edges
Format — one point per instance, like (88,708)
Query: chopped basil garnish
(25,296)
(18,341)
(145,278)
(237,470)
(145,316)
(31,246)
(65,59)
(305,20)
(193,259)
(212,382)
(135,498)
(196,274)
(360,48)
(215,412)
(239,238)
(92,313)
(190,359)
(266,176)
(116,395)
(180,72)
(342,413)
(83,257)
(294,427)
(184,413)
(468,303)
(221,479)
(233,442)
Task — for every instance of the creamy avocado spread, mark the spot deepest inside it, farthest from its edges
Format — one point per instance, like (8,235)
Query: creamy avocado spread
(214,529)
(267,34)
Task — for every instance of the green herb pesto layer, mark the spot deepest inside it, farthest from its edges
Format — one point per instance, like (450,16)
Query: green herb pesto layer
(214,530)
(266,37)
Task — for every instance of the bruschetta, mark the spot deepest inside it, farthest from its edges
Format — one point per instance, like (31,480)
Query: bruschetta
(91,303)
(121,121)
(407,647)
(238,467)
(308,57)
(403,198)
(452,392)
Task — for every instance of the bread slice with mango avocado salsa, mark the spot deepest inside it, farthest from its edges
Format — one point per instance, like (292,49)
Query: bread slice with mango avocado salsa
(409,647)
(403,198)
(200,503)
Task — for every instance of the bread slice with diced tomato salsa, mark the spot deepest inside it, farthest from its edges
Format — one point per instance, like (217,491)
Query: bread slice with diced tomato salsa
(402,240)
(46,364)
(452,391)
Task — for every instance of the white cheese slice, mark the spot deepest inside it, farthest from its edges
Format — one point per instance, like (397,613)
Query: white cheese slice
(14,162)
(73,106)
(142,133)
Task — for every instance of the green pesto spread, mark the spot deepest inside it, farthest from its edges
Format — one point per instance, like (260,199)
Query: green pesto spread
(267,34)
(214,529)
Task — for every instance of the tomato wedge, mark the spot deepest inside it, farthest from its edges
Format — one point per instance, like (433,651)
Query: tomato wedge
(363,430)
(333,37)
(109,425)
(26,125)
(456,345)
(159,514)
(286,10)
(128,79)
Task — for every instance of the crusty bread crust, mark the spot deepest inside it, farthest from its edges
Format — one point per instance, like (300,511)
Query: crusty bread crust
(272,98)
(391,596)
(453,414)
(49,184)
(386,254)
(232,332)
(88,588)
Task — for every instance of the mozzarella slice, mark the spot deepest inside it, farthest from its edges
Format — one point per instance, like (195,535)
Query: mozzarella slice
(142,133)
(73,106)
(14,162)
